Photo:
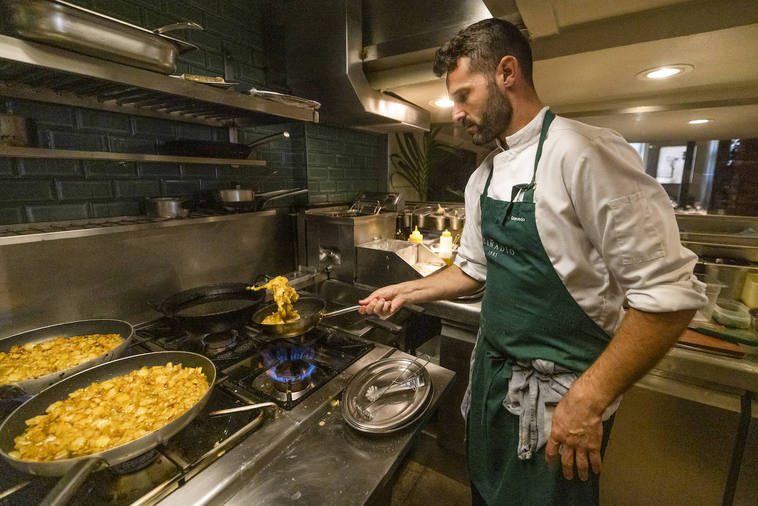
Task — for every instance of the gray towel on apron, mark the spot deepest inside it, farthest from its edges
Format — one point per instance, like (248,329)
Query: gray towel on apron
(534,391)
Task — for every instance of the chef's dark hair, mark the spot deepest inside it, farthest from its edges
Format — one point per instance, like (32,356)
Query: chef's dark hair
(485,43)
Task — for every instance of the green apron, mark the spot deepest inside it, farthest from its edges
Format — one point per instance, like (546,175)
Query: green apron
(527,313)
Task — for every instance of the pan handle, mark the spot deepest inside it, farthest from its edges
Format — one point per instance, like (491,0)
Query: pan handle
(248,407)
(282,195)
(338,312)
(74,478)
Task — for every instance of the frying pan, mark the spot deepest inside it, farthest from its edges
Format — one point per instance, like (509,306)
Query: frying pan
(312,310)
(212,308)
(245,200)
(76,470)
(213,149)
(76,328)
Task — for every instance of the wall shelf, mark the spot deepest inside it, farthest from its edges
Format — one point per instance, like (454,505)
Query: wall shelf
(34,71)
(70,154)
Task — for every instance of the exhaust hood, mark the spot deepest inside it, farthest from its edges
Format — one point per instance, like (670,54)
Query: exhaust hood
(324,45)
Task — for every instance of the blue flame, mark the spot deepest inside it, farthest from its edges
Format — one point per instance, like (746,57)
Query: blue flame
(276,356)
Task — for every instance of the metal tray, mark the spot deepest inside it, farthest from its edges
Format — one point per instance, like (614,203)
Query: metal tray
(393,411)
(72,27)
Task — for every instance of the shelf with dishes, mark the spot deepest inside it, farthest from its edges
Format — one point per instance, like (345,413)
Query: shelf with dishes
(34,71)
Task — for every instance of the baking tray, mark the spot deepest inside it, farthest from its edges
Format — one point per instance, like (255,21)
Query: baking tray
(69,26)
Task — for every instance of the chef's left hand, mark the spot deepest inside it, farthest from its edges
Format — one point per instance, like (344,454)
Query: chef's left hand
(576,436)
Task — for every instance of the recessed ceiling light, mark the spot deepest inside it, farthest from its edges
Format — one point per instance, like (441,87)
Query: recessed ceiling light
(664,71)
(443,103)
(699,121)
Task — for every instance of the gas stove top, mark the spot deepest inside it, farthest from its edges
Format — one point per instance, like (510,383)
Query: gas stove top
(251,368)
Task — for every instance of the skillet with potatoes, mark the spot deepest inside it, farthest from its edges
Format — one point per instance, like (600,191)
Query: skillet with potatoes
(35,359)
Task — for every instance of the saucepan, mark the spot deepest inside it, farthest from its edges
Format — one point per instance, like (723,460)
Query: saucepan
(167,207)
(247,200)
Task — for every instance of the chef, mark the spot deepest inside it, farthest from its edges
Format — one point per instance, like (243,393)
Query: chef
(564,225)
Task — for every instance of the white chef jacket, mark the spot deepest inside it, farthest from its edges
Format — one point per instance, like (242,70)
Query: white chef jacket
(607,227)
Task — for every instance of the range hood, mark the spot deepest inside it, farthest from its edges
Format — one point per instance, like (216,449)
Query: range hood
(324,46)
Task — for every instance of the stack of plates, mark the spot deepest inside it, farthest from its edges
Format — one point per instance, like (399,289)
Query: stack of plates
(398,405)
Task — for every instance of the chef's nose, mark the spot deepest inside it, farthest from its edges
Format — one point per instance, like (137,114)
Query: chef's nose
(458,113)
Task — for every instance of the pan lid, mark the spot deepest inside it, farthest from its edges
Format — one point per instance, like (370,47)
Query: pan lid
(387,395)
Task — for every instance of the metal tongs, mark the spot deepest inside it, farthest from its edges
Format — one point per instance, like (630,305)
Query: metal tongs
(409,383)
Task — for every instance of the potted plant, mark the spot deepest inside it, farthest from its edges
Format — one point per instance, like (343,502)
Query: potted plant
(415,162)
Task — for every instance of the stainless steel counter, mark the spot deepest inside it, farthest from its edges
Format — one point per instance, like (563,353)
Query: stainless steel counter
(698,376)
(317,460)
(464,313)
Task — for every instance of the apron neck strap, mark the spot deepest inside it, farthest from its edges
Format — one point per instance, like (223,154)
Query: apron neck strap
(549,117)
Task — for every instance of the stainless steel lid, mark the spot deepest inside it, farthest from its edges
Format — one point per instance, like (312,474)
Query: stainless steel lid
(387,396)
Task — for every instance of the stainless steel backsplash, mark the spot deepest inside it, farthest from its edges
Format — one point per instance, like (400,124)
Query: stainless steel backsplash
(114,274)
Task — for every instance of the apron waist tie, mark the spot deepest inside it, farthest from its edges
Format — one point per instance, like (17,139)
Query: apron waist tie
(535,389)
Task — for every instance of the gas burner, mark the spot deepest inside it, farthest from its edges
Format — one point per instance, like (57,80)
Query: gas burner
(137,463)
(164,329)
(292,376)
(218,343)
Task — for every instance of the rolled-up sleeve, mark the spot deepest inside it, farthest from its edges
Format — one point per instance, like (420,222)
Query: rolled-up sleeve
(629,219)
(470,257)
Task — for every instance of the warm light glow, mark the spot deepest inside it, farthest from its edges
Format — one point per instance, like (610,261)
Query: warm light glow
(699,121)
(665,71)
(443,103)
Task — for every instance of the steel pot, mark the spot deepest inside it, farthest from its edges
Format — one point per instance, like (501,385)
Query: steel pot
(730,275)
(15,130)
(439,220)
(167,207)
(456,221)
(407,219)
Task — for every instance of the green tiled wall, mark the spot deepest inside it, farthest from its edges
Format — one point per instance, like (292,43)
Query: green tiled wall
(342,163)
(334,163)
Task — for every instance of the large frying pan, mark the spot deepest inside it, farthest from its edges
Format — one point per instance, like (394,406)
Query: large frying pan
(76,470)
(70,329)
(212,308)
(213,149)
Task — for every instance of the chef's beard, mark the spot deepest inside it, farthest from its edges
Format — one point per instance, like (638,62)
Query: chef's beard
(495,118)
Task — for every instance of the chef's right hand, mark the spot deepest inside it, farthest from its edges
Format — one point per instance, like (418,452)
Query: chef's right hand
(384,301)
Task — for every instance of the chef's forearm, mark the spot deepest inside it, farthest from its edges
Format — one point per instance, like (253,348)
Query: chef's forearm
(447,283)
(641,341)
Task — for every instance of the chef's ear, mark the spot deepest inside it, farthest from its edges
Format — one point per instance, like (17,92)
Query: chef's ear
(507,71)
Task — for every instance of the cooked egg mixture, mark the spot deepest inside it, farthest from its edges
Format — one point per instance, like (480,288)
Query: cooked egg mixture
(32,360)
(111,413)
(285,297)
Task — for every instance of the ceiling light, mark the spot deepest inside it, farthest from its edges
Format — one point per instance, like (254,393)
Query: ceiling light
(665,71)
(443,103)
(699,121)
